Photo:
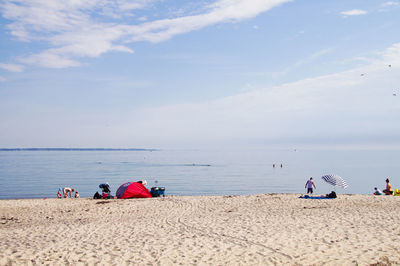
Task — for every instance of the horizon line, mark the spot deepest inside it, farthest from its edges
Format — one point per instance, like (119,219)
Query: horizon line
(76,149)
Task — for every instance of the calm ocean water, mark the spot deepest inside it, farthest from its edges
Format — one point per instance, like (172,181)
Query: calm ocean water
(38,174)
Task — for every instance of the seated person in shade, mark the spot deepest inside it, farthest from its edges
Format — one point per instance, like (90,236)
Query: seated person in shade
(105,188)
(377,191)
(331,195)
(388,190)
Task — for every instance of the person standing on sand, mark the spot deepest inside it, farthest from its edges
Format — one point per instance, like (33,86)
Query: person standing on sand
(309,185)
(68,190)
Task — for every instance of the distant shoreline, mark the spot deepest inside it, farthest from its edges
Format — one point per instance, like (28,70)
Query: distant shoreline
(74,149)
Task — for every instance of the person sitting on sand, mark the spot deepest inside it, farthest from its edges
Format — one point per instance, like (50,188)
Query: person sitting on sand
(377,191)
(68,190)
(105,188)
(59,193)
(331,195)
(77,194)
(388,190)
(309,185)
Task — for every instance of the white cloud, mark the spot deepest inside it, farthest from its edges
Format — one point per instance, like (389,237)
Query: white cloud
(221,12)
(307,60)
(389,6)
(391,3)
(50,60)
(343,105)
(338,108)
(81,28)
(296,65)
(12,67)
(354,12)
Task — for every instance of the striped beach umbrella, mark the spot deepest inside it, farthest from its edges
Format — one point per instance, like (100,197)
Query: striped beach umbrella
(334,180)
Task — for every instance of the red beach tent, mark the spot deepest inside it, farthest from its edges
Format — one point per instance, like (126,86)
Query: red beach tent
(132,190)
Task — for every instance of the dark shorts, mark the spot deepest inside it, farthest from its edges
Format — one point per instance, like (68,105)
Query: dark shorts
(309,190)
(387,192)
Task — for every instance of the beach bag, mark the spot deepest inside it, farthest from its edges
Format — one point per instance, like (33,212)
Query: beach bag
(157,192)
(332,195)
(96,195)
(104,195)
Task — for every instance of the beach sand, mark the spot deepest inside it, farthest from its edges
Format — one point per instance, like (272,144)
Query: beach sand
(262,229)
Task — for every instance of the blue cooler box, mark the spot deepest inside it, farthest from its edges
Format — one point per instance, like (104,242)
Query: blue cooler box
(157,191)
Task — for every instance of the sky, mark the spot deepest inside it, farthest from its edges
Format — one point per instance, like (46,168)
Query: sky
(190,74)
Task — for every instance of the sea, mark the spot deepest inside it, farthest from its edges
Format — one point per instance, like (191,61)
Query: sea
(39,173)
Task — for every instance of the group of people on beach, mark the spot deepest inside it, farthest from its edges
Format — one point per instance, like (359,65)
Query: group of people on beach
(387,191)
(310,185)
(67,191)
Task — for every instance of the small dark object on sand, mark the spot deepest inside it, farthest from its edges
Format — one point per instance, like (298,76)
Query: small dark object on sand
(102,202)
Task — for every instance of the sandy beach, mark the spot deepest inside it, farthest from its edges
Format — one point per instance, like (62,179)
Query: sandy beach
(267,229)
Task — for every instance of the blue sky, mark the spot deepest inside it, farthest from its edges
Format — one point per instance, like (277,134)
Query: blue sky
(158,73)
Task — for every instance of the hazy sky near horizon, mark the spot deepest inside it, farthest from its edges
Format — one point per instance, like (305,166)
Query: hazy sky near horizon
(159,73)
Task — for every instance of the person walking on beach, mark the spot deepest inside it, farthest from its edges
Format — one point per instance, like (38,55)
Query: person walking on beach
(309,185)
(388,190)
